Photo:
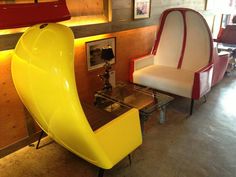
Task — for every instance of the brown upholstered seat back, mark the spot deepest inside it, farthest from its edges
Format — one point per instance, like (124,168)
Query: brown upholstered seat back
(229,35)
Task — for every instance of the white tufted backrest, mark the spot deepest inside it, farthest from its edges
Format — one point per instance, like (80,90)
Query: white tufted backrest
(198,49)
(183,41)
(170,44)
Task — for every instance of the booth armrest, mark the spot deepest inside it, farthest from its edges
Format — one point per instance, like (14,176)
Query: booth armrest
(220,61)
(139,63)
(202,81)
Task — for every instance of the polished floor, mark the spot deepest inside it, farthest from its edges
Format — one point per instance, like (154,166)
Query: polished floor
(203,145)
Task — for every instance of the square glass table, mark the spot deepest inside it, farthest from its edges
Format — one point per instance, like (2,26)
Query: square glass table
(146,100)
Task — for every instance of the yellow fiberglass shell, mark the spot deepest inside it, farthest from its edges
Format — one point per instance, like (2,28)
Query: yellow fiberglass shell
(43,74)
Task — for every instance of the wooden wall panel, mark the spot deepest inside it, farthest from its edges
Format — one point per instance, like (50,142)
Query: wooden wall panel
(122,17)
(15,1)
(122,4)
(85,7)
(9,41)
(22,1)
(132,44)
(129,44)
(122,7)
(12,117)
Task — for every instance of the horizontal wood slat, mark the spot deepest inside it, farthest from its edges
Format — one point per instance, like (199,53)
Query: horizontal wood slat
(122,4)
(122,19)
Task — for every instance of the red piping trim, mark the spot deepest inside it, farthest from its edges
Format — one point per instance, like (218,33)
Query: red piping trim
(184,41)
(210,36)
(208,30)
(158,37)
(162,21)
(183,11)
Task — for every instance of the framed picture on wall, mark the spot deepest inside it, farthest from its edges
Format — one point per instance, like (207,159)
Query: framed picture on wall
(94,51)
(142,9)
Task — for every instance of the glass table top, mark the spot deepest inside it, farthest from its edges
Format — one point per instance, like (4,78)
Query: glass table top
(142,98)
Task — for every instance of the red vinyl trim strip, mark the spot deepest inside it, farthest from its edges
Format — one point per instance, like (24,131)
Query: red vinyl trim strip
(28,14)
(197,82)
(208,30)
(184,41)
(158,37)
(163,19)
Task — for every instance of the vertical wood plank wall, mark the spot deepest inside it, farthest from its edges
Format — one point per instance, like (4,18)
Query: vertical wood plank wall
(88,7)
(134,38)
(129,44)
(12,120)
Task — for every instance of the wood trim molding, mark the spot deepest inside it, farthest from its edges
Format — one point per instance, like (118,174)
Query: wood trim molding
(20,144)
(9,41)
(120,18)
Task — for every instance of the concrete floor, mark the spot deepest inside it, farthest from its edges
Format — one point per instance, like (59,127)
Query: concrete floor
(201,146)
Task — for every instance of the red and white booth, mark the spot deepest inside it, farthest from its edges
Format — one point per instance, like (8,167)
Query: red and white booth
(181,59)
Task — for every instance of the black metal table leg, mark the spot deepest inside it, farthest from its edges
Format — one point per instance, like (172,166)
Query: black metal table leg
(101,172)
(191,106)
(130,159)
(40,137)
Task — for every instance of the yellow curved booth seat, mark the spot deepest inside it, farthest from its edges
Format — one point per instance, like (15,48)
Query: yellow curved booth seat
(43,74)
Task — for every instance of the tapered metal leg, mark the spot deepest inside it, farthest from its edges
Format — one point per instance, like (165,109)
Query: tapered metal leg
(162,114)
(191,106)
(40,137)
(205,99)
(101,172)
(130,160)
